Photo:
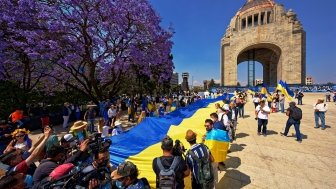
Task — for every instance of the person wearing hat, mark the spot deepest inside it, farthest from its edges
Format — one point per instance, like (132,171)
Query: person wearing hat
(261,112)
(293,121)
(67,140)
(20,140)
(117,130)
(126,176)
(78,130)
(197,151)
(167,160)
(320,108)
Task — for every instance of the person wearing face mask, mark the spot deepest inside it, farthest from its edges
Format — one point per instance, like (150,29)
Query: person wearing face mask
(55,157)
(126,177)
(101,165)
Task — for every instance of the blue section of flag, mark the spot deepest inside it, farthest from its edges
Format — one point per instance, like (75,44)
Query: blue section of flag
(152,130)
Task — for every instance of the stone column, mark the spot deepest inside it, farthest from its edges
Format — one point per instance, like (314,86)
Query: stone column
(259,18)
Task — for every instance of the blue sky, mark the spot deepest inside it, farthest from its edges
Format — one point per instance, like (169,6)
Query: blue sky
(200,25)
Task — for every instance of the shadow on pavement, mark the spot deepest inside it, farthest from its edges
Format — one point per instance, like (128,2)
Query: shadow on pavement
(271,132)
(241,135)
(302,135)
(237,147)
(234,179)
(231,162)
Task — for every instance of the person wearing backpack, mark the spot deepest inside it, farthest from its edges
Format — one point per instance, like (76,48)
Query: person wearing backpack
(294,117)
(199,160)
(170,170)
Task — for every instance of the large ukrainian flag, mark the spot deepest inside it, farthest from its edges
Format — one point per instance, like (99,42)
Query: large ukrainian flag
(143,143)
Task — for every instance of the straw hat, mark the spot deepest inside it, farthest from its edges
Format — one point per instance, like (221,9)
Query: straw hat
(78,125)
(20,131)
(117,123)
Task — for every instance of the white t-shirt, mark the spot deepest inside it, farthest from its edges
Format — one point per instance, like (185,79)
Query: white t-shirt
(112,112)
(225,120)
(256,100)
(321,107)
(263,115)
(105,131)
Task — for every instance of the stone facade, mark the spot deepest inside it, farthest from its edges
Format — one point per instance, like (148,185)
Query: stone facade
(264,31)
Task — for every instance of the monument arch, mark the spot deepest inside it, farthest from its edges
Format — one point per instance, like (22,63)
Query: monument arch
(263,31)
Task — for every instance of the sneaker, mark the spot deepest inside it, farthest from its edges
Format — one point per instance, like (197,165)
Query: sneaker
(282,134)
(316,127)
(258,133)
(299,141)
(323,128)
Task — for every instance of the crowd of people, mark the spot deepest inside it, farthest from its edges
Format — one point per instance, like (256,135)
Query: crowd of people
(80,158)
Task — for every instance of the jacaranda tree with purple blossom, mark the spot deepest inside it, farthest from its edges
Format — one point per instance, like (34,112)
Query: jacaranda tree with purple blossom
(103,43)
(92,46)
(23,55)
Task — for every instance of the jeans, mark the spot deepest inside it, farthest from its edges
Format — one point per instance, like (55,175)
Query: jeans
(299,101)
(65,121)
(241,111)
(321,116)
(296,124)
(282,106)
(91,125)
(262,122)
(277,106)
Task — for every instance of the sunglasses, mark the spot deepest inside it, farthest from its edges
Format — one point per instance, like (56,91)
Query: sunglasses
(207,125)
(19,136)
(121,179)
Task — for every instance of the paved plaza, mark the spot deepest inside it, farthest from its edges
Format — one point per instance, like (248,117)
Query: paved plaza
(281,162)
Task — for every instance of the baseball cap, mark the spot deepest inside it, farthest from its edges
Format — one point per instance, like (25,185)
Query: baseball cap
(68,138)
(190,135)
(125,169)
(226,107)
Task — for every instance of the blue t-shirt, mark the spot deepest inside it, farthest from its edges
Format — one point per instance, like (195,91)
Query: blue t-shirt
(161,111)
(219,125)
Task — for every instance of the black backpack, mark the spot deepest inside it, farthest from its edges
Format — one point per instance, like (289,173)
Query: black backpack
(296,113)
(167,177)
(205,174)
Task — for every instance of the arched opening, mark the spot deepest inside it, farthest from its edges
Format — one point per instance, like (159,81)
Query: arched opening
(268,56)
(242,73)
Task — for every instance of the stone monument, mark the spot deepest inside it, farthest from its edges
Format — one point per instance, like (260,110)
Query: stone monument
(264,31)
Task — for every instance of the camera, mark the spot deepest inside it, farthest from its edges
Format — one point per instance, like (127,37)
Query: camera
(178,148)
(96,142)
